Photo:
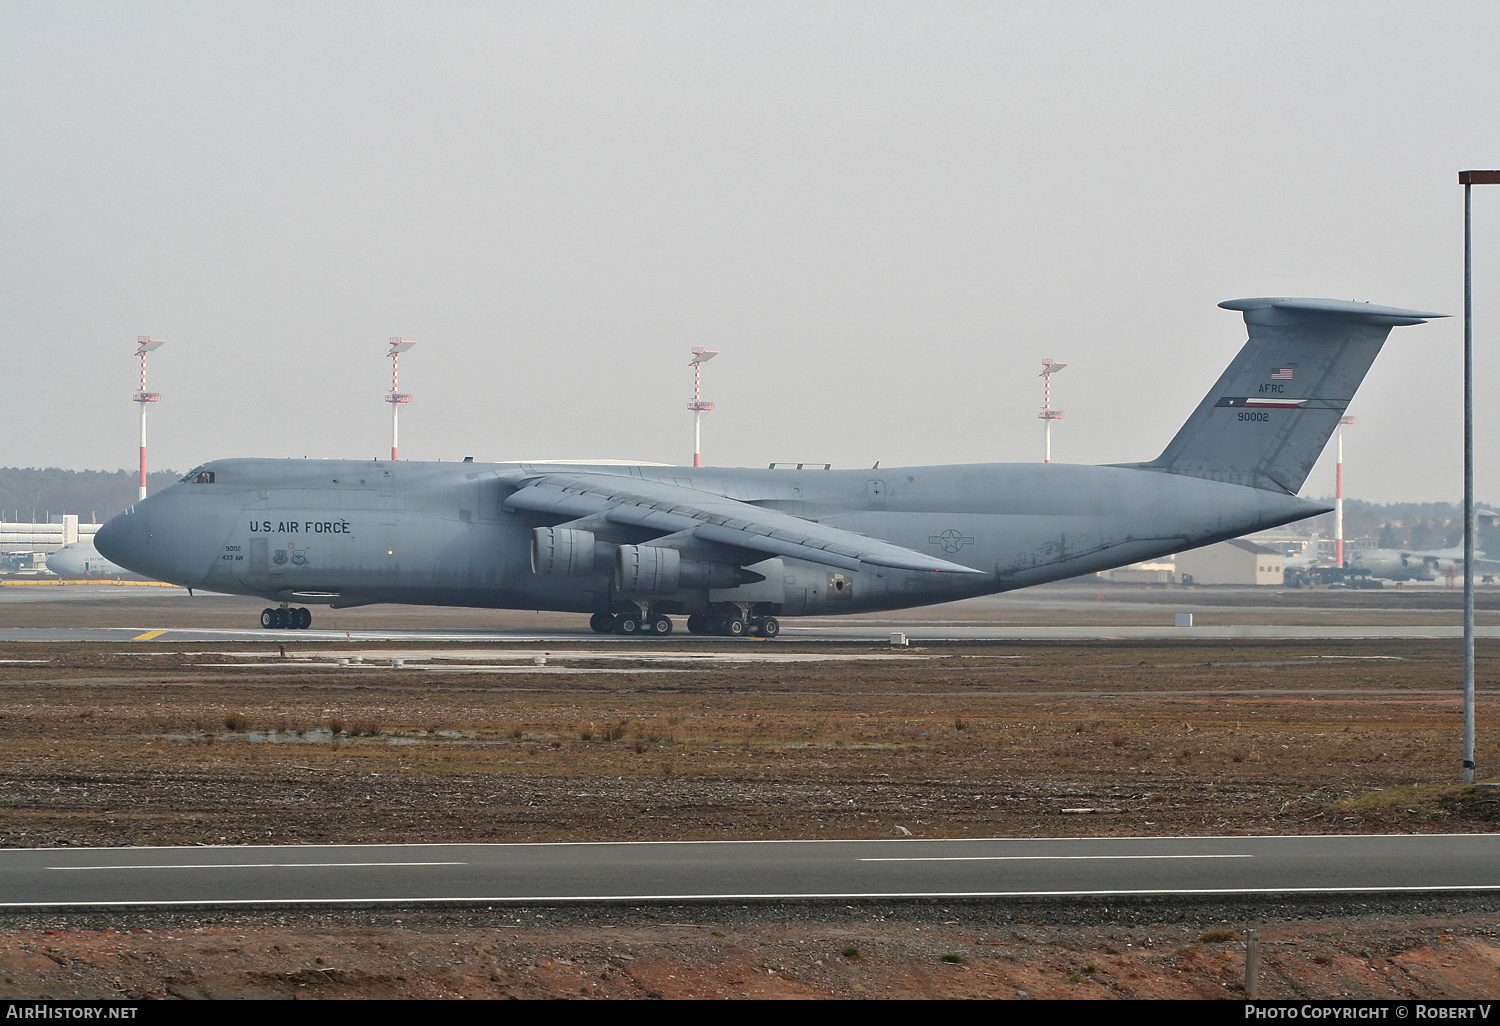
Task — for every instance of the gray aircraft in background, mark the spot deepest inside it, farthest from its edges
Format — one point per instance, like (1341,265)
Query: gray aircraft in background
(81,559)
(734,550)
(1424,565)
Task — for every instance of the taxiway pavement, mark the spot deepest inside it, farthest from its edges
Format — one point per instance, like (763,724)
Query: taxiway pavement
(676,871)
(830,631)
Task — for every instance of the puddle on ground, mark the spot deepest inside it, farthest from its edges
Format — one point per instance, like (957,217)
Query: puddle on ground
(324,735)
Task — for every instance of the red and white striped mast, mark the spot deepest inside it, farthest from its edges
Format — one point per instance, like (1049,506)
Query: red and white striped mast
(396,397)
(1048,414)
(143,397)
(1338,498)
(698,406)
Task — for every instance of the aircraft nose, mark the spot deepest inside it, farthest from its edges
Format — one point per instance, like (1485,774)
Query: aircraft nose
(125,540)
(107,540)
(167,537)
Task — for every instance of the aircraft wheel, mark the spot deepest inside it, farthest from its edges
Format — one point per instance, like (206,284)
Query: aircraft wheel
(268,619)
(281,618)
(602,623)
(735,627)
(627,625)
(769,627)
(304,618)
(661,625)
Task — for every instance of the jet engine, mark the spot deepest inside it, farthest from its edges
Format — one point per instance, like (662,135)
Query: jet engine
(647,570)
(655,570)
(562,552)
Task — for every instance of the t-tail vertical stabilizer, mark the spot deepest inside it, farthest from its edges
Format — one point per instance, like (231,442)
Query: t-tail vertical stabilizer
(1266,421)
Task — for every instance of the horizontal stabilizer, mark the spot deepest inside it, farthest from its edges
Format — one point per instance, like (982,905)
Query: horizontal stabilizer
(1343,309)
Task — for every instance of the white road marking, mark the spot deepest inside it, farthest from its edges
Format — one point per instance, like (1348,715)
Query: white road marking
(270,865)
(1045,858)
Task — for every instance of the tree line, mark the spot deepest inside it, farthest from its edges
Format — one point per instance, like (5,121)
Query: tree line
(1418,526)
(30,495)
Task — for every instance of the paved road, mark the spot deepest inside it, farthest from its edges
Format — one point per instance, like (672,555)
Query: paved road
(800,631)
(744,871)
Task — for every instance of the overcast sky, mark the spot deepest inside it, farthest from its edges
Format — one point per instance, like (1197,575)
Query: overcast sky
(884,214)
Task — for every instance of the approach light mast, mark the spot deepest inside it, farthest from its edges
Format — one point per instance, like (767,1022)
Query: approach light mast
(146,344)
(1048,414)
(1338,498)
(698,406)
(396,397)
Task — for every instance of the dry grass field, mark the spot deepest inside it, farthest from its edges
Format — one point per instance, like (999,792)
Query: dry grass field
(130,744)
(145,745)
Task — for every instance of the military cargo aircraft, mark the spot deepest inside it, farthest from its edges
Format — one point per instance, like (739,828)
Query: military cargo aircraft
(734,550)
(1427,565)
(80,559)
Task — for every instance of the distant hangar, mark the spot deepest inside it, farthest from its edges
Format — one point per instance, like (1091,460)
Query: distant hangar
(1232,562)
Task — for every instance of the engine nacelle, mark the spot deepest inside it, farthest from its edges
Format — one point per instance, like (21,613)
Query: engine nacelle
(654,570)
(562,552)
(647,570)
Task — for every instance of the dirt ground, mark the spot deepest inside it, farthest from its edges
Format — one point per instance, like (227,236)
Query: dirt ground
(1429,951)
(149,744)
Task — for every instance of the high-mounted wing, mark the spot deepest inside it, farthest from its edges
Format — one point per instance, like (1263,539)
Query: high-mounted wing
(671,509)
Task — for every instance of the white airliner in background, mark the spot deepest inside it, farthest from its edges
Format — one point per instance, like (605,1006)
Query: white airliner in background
(81,559)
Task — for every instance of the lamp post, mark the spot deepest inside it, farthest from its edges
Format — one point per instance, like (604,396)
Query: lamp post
(1468,179)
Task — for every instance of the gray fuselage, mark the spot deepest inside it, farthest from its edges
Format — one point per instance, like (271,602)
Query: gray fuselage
(353,533)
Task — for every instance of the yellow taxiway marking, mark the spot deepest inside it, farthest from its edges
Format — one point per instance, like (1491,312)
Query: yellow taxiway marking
(149,635)
(91,581)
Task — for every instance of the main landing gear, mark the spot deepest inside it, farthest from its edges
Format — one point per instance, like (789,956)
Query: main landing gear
(286,618)
(733,626)
(657,625)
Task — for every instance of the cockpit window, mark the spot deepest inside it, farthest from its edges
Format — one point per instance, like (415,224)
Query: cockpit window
(199,477)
